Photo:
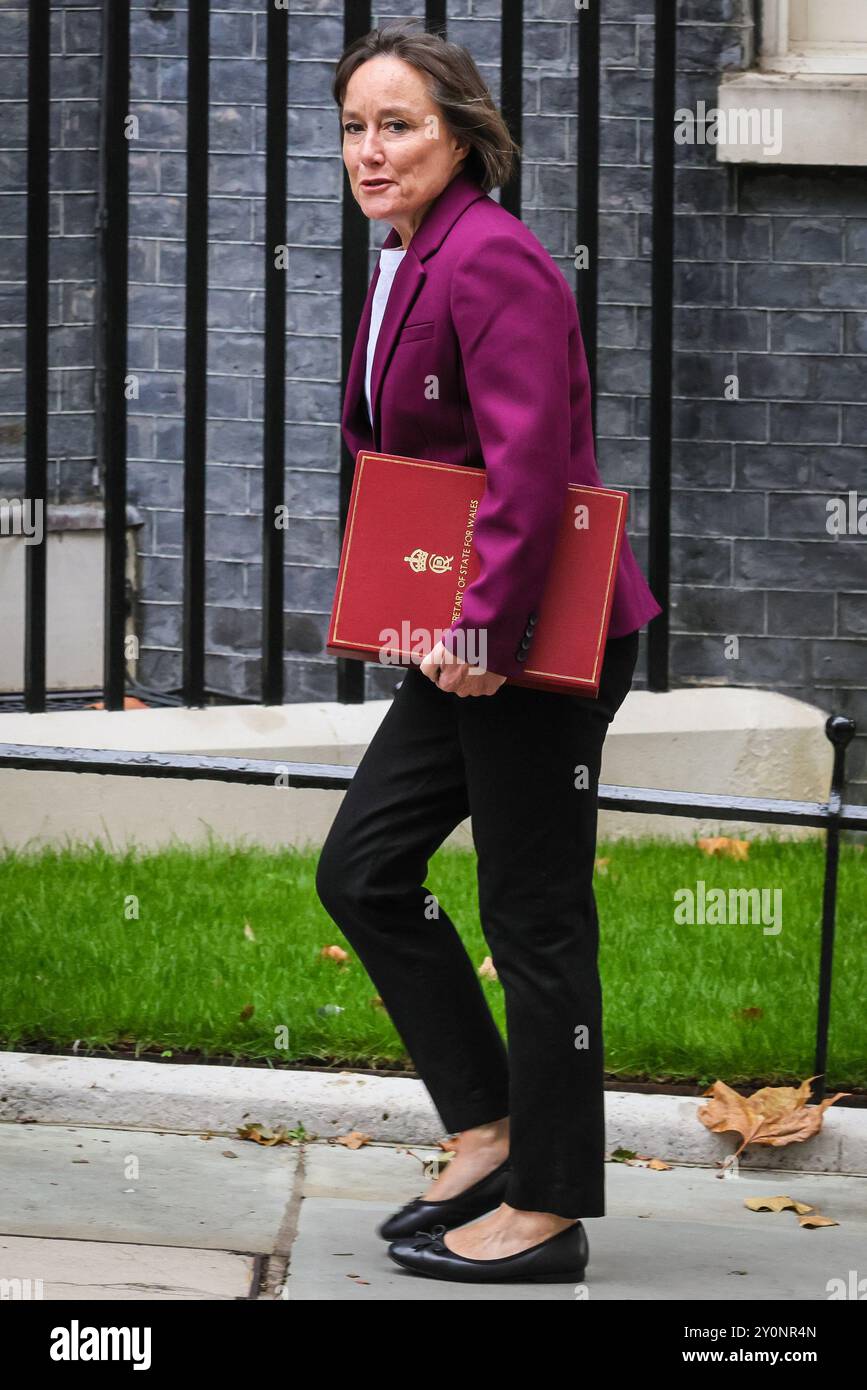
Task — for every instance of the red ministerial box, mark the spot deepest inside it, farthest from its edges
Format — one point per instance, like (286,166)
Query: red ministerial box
(407,559)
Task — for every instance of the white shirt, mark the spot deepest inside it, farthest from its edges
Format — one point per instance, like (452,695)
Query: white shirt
(390,258)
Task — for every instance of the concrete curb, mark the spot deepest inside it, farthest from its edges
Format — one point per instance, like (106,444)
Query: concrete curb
(43,1089)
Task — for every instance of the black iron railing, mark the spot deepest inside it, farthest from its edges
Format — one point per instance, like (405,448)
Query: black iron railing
(832,815)
(111,318)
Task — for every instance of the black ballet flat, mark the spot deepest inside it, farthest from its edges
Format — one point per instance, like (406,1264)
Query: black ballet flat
(420,1215)
(561,1259)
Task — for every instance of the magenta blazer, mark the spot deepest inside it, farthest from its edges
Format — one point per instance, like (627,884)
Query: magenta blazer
(480,361)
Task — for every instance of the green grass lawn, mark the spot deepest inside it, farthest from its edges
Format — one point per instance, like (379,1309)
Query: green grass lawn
(215,951)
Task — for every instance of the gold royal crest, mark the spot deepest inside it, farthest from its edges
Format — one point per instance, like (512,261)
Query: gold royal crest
(420,559)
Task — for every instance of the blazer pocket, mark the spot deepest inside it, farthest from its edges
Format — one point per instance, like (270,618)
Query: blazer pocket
(413,332)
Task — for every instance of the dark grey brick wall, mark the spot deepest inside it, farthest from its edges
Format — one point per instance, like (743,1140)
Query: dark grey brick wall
(770,285)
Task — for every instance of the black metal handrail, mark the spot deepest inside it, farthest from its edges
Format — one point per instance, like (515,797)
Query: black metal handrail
(834,814)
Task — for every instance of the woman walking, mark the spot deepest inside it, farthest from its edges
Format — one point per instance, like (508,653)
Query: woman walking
(469,351)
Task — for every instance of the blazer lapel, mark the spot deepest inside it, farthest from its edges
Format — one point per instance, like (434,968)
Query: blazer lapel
(411,274)
(355,420)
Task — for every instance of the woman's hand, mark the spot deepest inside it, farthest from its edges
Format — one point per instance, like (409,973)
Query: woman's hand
(457,677)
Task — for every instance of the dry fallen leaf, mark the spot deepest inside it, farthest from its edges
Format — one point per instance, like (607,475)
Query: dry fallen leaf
(248,932)
(333,953)
(645,1161)
(807,1215)
(440,1160)
(723,844)
(776,1204)
(487,970)
(601,865)
(774,1115)
(247,1011)
(129,702)
(353,1140)
(262,1134)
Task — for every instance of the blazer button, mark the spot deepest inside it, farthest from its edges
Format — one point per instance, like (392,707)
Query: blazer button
(525,641)
(520,655)
(533,618)
(528,630)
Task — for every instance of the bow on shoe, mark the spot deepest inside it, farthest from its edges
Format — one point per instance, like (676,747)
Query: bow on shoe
(433,1239)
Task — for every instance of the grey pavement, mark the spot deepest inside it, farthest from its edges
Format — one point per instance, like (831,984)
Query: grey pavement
(113,1214)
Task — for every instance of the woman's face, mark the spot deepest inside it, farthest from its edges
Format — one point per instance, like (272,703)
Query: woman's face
(395,135)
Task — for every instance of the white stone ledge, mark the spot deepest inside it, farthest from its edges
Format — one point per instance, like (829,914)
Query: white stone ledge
(823,117)
(717,739)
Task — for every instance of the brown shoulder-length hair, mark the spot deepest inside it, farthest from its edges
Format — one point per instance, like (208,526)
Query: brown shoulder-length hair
(454,83)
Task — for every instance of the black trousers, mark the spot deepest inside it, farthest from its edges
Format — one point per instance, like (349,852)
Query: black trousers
(525,765)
